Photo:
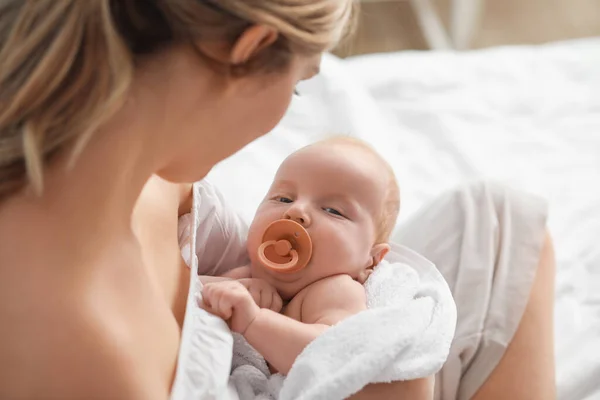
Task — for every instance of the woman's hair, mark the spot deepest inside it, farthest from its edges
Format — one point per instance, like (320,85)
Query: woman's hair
(66,65)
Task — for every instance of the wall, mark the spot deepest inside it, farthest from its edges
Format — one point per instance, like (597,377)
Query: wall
(391,25)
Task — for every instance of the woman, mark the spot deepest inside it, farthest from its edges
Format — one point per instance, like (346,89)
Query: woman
(102,104)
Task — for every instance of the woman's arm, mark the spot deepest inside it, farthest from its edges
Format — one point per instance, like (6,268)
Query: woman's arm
(418,389)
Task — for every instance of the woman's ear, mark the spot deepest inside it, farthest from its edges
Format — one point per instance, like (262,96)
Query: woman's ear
(378,252)
(251,42)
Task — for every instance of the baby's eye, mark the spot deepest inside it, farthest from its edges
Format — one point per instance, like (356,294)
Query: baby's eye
(333,211)
(283,199)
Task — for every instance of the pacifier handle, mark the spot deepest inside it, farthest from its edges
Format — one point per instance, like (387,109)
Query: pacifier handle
(289,266)
(286,247)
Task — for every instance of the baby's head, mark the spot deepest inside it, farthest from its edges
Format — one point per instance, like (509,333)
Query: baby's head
(346,197)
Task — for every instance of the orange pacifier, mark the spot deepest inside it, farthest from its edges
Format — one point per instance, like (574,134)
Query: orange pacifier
(286,247)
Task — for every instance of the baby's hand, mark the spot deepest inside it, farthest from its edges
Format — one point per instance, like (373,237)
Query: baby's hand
(231,301)
(263,293)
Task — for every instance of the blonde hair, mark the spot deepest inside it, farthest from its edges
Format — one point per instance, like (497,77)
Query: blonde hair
(386,220)
(66,65)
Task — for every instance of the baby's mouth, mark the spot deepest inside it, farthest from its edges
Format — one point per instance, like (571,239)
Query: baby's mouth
(286,247)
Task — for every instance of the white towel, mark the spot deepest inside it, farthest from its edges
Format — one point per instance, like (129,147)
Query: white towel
(250,373)
(405,334)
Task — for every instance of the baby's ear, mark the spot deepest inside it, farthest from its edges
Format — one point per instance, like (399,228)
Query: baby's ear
(378,252)
(364,275)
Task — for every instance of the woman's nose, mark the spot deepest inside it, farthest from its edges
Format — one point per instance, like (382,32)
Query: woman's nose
(298,214)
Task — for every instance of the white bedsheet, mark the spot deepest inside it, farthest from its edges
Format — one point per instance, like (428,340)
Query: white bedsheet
(528,116)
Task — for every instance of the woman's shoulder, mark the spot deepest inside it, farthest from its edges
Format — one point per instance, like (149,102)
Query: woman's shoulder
(67,349)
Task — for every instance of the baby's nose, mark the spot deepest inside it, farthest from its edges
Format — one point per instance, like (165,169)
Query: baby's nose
(297,214)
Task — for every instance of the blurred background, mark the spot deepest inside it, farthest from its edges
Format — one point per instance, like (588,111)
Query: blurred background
(392,25)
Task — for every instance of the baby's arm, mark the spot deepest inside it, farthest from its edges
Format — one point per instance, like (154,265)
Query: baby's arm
(278,338)
(331,300)
(281,339)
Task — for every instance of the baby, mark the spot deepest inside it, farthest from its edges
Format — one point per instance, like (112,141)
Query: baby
(346,198)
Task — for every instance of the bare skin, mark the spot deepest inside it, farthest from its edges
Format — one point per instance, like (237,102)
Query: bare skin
(417,389)
(155,224)
(108,331)
(91,292)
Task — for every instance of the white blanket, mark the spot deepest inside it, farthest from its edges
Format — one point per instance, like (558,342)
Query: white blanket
(405,334)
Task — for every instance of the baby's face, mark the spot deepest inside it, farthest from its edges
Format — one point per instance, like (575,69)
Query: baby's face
(336,192)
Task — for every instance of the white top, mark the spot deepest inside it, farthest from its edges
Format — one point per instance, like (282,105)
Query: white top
(217,245)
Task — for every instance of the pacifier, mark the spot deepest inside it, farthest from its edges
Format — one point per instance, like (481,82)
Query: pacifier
(286,247)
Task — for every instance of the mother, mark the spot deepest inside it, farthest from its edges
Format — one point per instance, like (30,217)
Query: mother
(103,103)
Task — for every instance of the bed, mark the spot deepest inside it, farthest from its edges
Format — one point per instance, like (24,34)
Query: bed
(528,116)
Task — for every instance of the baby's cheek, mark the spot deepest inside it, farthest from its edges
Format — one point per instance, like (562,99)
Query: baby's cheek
(334,246)
(254,235)
(352,248)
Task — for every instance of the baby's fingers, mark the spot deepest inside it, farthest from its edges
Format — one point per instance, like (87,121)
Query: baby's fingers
(255,293)
(265,299)
(204,300)
(211,299)
(276,302)
(225,307)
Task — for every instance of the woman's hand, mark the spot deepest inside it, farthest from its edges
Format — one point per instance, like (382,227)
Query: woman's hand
(263,293)
(231,301)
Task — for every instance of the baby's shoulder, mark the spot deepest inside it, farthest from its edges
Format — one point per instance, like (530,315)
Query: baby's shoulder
(337,284)
(323,286)
(333,297)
